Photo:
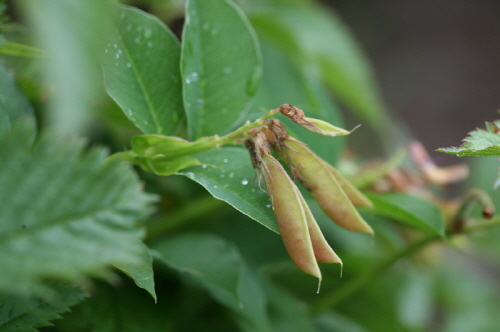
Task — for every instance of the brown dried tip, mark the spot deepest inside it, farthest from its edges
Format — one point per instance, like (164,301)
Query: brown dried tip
(488,213)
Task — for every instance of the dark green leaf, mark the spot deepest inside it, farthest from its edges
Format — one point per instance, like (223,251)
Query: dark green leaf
(207,258)
(124,308)
(410,210)
(70,216)
(220,66)
(141,72)
(480,142)
(229,176)
(29,313)
(13,103)
(142,272)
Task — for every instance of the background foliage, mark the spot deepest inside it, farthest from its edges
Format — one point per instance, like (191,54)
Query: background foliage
(89,242)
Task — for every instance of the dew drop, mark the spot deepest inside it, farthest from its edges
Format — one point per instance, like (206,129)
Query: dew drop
(231,174)
(106,51)
(147,32)
(137,40)
(193,77)
(117,55)
(150,44)
(129,27)
(225,160)
(227,70)
(216,186)
(115,45)
(244,182)
(268,206)
(190,174)
(223,175)
(129,65)
(146,122)
(203,166)
(119,51)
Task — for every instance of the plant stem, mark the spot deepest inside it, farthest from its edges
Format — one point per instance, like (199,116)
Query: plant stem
(356,284)
(189,212)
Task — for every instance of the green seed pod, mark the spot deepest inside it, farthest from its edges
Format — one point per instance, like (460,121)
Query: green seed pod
(317,177)
(314,125)
(287,205)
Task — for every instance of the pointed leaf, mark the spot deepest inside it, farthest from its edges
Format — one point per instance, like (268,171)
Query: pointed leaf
(410,210)
(229,176)
(479,142)
(207,258)
(142,273)
(71,215)
(220,66)
(141,71)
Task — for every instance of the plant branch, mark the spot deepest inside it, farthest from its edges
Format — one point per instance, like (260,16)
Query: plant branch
(356,284)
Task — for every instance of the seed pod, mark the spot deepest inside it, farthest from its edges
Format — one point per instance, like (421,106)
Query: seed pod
(317,177)
(314,125)
(287,205)
(356,197)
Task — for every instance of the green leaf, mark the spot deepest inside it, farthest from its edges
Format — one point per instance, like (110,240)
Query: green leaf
(27,314)
(480,142)
(287,313)
(220,66)
(13,103)
(123,308)
(70,34)
(142,273)
(12,48)
(141,72)
(410,210)
(317,39)
(71,215)
(207,258)
(229,176)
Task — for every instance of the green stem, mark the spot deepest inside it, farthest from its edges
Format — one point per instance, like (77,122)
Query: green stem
(189,212)
(356,284)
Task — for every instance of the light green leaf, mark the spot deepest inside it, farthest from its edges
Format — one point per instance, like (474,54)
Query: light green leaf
(13,103)
(220,66)
(229,176)
(141,72)
(207,258)
(142,273)
(71,215)
(70,33)
(410,210)
(480,142)
(26,314)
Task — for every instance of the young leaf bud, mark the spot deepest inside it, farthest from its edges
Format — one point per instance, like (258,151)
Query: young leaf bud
(314,125)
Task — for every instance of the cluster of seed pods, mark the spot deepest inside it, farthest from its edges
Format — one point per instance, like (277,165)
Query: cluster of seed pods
(301,235)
